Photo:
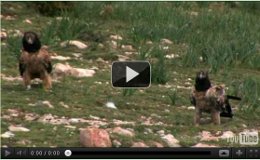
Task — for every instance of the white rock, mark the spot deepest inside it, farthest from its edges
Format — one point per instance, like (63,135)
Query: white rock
(100,45)
(70,126)
(167,110)
(139,144)
(192,13)
(156,144)
(130,53)
(191,108)
(116,37)
(94,117)
(227,134)
(59,18)
(60,68)
(244,125)
(60,58)
(75,43)
(80,72)
(119,122)
(161,132)
(201,58)
(166,48)
(64,105)
(15,33)
(3,35)
(149,130)
(113,44)
(98,82)
(116,143)
(31,116)
(27,21)
(111,105)
(188,83)
(94,68)
(122,58)
(7,117)
(9,78)
(7,134)
(74,120)
(77,55)
(100,60)
(14,128)
(149,42)
(47,103)
(127,47)
(183,107)
(207,136)
(166,41)
(65,69)
(8,18)
(123,132)
(170,140)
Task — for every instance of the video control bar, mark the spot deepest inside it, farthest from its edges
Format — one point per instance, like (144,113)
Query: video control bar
(130,153)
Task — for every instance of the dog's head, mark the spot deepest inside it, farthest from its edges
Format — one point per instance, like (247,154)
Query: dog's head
(31,42)
(202,82)
(202,75)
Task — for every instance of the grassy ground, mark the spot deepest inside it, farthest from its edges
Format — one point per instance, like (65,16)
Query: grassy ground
(219,37)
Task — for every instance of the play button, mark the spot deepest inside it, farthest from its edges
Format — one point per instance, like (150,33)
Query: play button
(131,74)
(7,152)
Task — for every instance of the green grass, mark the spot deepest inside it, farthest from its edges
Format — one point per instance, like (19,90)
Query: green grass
(221,38)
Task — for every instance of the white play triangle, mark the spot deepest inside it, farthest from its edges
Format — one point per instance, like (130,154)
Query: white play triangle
(130,74)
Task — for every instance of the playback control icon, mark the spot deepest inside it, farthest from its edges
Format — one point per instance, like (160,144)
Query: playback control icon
(131,74)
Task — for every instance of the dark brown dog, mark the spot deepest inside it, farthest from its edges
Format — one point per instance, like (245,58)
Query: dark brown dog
(34,61)
(211,99)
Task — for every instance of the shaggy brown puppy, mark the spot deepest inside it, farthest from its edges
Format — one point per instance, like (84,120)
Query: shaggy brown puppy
(202,84)
(210,101)
(34,61)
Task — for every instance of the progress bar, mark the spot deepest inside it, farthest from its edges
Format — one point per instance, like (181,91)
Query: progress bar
(130,153)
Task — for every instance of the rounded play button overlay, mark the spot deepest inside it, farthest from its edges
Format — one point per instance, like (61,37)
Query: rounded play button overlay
(131,74)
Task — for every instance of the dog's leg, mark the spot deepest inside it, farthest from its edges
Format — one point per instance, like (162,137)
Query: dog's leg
(197,116)
(215,115)
(47,84)
(27,80)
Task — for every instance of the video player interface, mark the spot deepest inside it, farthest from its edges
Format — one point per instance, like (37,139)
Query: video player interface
(157,80)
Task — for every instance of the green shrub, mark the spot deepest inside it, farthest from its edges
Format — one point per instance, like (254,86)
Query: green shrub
(173,96)
(14,46)
(248,89)
(157,60)
(128,92)
(51,8)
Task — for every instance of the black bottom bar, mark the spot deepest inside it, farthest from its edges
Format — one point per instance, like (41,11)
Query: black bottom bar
(130,153)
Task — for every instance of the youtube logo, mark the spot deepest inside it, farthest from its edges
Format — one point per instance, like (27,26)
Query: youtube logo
(131,74)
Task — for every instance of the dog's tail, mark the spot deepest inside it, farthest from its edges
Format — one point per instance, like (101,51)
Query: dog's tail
(233,97)
(225,114)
